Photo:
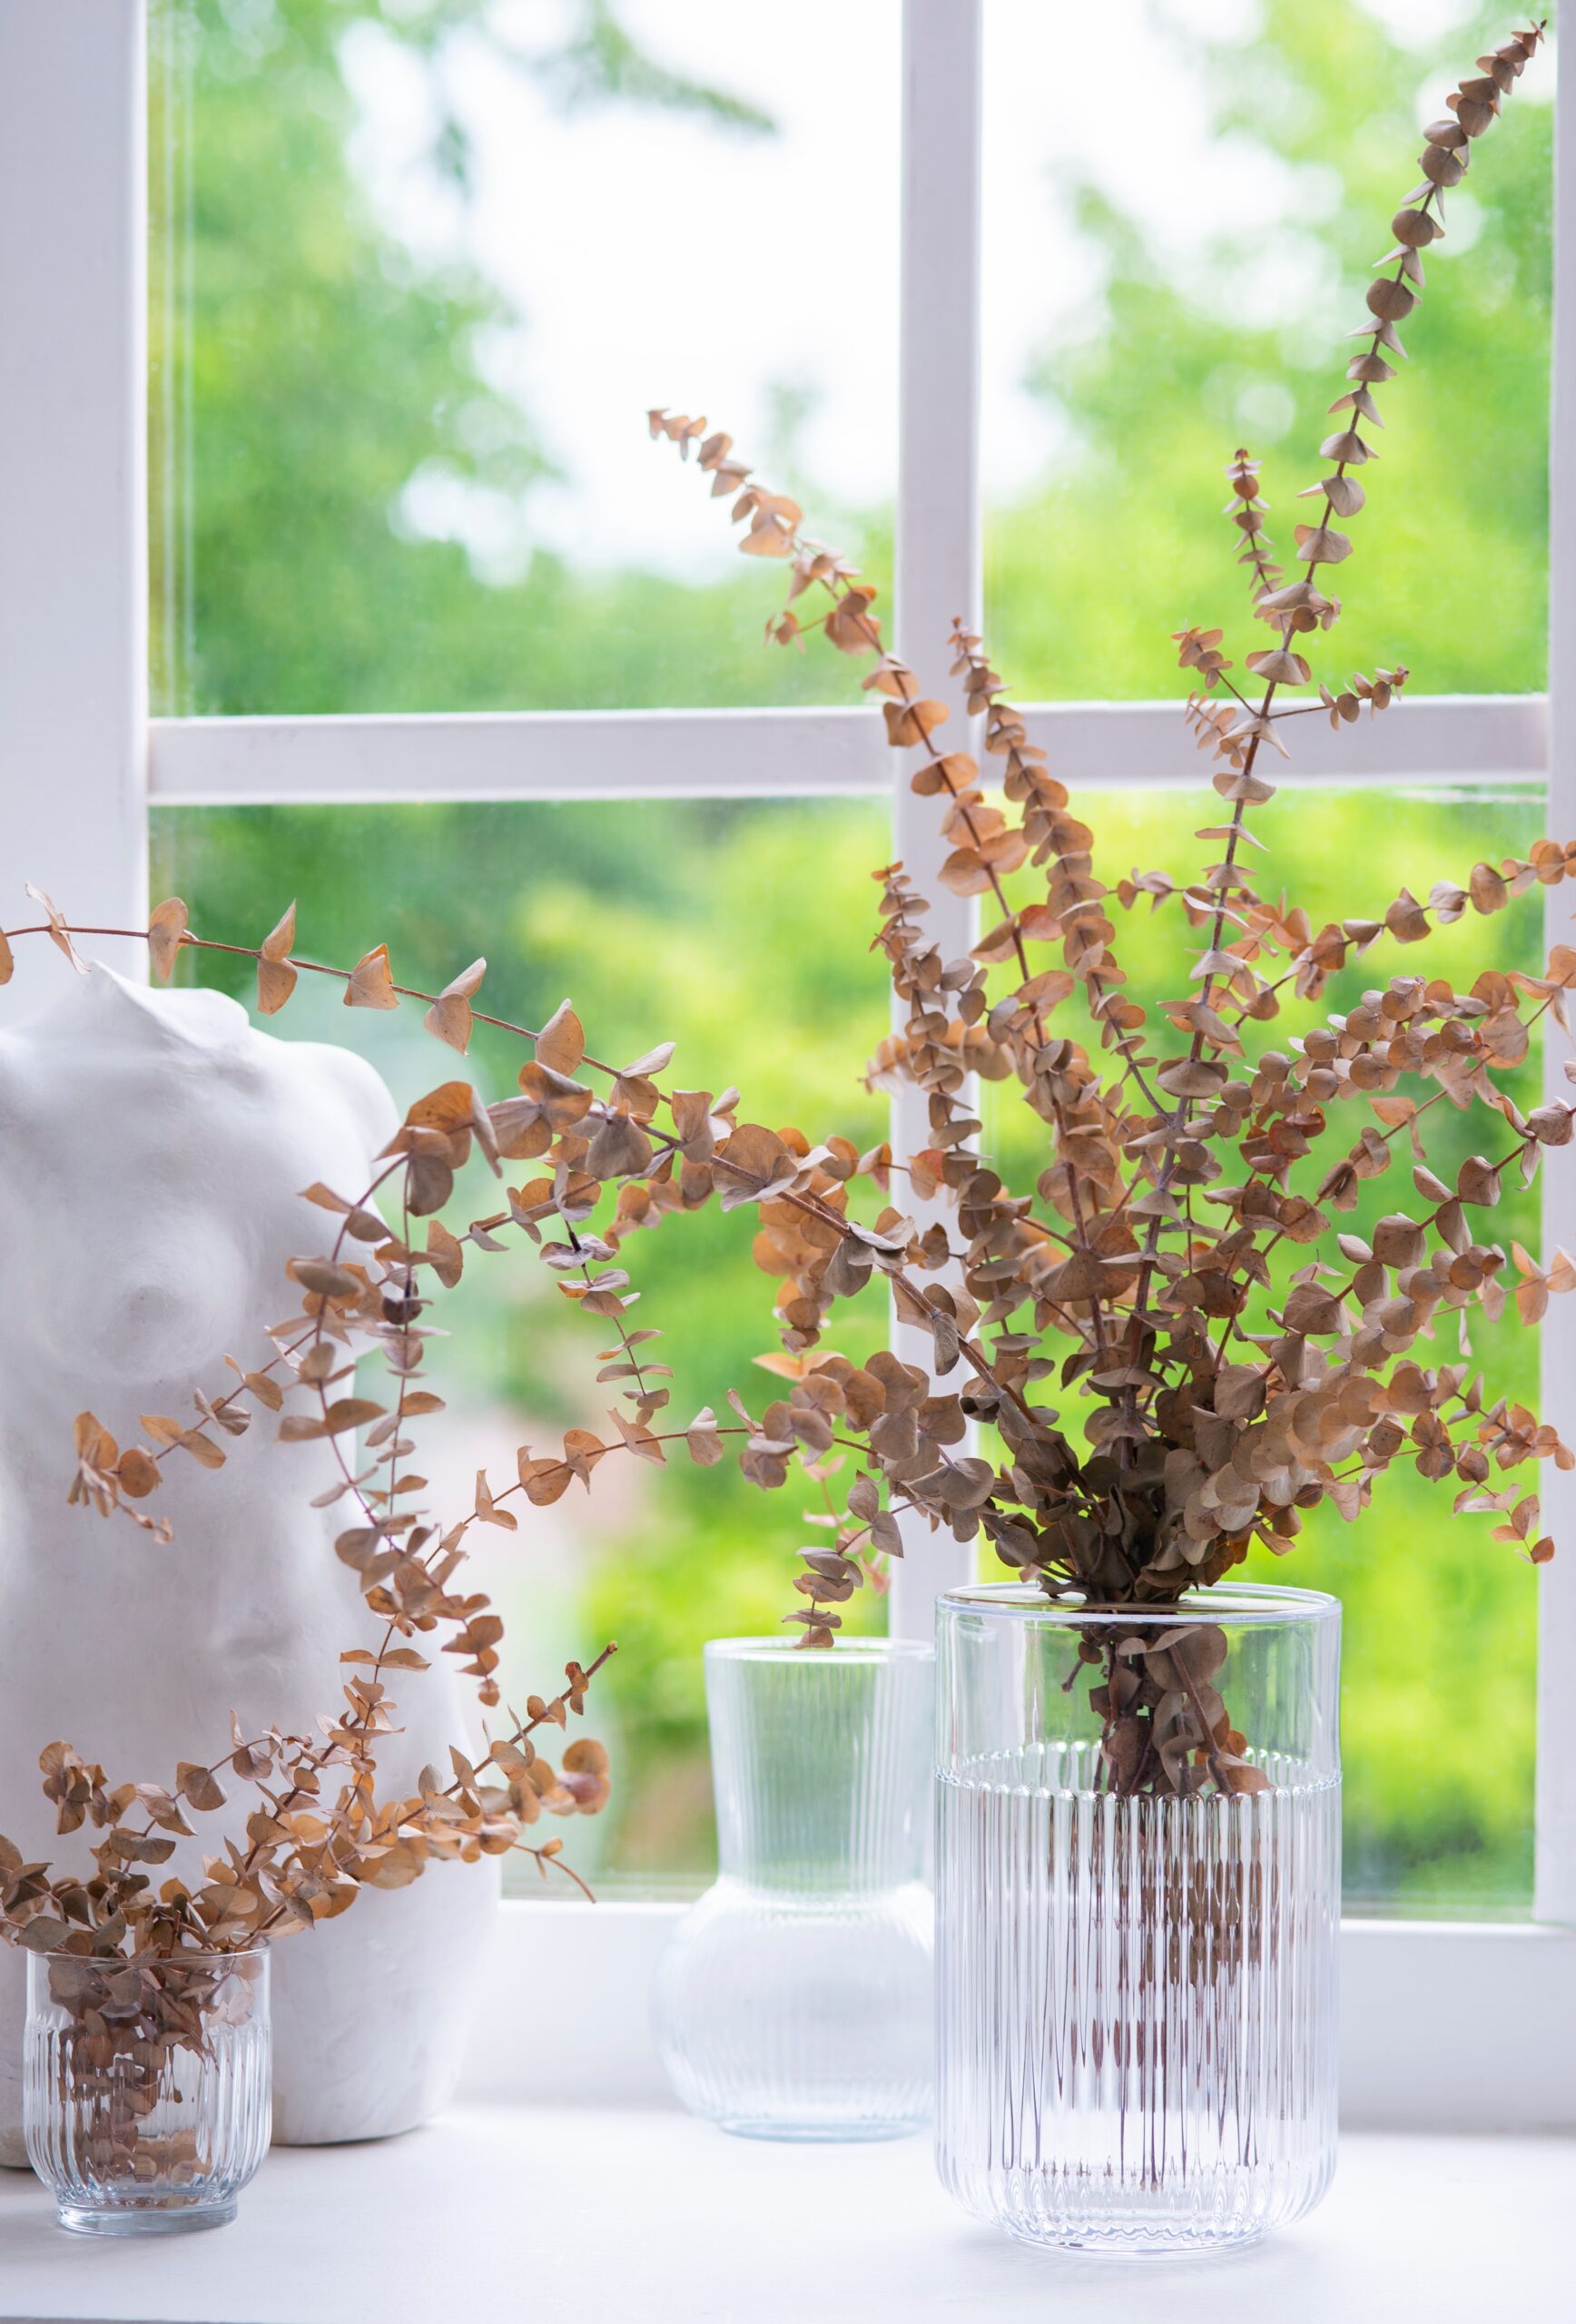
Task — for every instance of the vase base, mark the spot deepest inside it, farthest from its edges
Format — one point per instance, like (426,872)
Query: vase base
(821,2134)
(1123,2243)
(130,2219)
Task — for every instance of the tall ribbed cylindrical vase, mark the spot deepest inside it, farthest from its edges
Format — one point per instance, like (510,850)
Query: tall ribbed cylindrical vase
(796,2000)
(1136,1934)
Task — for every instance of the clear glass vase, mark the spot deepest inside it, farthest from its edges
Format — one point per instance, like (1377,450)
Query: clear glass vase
(146,2086)
(1136,1969)
(796,2000)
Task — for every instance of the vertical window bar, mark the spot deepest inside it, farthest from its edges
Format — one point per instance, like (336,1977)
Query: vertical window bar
(173,36)
(72,404)
(1555,1896)
(938,550)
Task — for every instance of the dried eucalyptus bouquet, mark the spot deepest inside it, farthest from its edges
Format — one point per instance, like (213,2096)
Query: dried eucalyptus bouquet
(1222,1355)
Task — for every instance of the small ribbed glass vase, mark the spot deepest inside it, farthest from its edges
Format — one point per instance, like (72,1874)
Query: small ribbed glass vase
(146,2086)
(796,2000)
(1136,1988)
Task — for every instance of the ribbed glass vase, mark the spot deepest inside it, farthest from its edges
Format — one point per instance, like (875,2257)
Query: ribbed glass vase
(146,2086)
(796,2000)
(1137,1984)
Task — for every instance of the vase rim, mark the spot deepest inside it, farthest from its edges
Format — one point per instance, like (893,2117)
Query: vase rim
(188,1956)
(846,1649)
(1242,1602)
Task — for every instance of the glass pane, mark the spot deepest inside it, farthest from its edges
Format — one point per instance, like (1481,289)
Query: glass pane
(418,269)
(1170,264)
(741,931)
(1438,1675)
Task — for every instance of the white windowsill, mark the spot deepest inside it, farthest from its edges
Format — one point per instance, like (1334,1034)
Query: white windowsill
(646,2217)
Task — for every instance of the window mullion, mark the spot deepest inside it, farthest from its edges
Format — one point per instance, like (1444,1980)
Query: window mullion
(1555,1896)
(1444,741)
(938,549)
(72,431)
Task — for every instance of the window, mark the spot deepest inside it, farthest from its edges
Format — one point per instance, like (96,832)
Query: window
(698,910)
(418,604)
(1168,271)
(419,270)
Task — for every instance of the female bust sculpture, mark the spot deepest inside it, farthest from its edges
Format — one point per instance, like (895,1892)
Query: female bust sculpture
(153,1150)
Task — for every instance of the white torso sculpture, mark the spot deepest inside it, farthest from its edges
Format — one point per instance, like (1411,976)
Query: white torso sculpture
(153,1150)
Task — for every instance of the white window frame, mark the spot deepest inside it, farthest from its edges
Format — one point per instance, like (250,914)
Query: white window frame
(1444,2023)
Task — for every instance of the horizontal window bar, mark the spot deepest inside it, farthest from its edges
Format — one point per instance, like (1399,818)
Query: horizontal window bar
(753,753)
(526,755)
(1430,738)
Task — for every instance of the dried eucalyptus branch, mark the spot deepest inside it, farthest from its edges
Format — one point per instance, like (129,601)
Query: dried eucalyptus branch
(309,1850)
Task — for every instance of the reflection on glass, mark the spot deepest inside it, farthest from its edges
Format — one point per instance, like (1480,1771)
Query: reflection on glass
(1170,264)
(1440,1622)
(418,269)
(739,931)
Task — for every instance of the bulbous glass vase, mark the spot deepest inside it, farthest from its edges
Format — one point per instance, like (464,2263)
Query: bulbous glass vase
(1136,1944)
(796,2000)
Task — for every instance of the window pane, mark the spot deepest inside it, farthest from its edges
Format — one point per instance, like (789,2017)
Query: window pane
(741,932)
(417,271)
(1170,265)
(1440,1649)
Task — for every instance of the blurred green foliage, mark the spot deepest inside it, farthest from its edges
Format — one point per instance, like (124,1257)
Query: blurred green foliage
(1153,389)
(324,365)
(305,366)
